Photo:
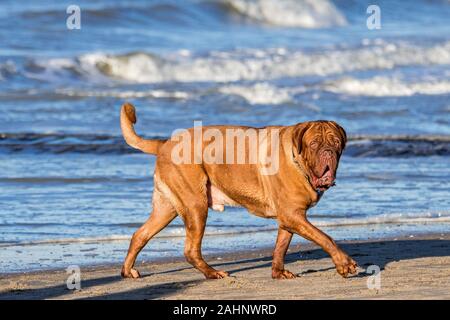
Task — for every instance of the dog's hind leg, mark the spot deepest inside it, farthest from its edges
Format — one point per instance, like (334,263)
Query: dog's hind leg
(186,187)
(195,222)
(163,213)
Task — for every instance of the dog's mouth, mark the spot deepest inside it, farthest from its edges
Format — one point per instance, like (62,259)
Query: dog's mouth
(325,181)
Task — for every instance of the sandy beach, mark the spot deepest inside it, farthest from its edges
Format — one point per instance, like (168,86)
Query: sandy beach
(411,268)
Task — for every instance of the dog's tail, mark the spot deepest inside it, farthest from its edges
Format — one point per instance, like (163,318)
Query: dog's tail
(127,121)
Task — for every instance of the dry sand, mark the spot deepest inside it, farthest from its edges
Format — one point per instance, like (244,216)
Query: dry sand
(412,268)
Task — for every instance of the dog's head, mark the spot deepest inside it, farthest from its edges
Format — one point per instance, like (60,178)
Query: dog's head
(319,145)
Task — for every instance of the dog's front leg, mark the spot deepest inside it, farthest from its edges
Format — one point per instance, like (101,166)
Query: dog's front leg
(283,240)
(296,221)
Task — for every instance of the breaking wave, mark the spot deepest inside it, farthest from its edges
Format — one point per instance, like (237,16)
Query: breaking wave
(289,13)
(250,64)
(384,86)
(281,13)
(265,93)
(125,94)
(262,93)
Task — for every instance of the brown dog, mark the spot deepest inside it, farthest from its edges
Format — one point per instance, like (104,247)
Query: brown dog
(307,153)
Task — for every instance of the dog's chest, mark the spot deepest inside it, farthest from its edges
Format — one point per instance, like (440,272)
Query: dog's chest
(315,200)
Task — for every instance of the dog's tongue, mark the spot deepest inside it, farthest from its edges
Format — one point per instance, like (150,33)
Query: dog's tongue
(328,176)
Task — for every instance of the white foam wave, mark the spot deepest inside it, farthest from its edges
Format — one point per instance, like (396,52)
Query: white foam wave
(260,64)
(178,231)
(262,93)
(6,69)
(290,13)
(391,218)
(56,68)
(67,241)
(265,93)
(385,86)
(174,232)
(127,94)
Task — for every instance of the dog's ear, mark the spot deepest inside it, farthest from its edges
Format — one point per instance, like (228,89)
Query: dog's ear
(342,133)
(297,136)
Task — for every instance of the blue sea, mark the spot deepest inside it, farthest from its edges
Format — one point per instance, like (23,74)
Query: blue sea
(72,192)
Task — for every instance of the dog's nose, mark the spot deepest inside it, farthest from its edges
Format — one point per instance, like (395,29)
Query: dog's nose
(327,153)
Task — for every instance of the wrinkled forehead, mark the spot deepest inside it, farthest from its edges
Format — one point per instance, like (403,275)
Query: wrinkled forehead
(321,130)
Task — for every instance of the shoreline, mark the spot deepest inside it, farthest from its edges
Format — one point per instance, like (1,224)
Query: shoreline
(298,244)
(411,268)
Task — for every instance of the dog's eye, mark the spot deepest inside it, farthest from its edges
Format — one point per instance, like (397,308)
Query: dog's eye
(314,145)
(337,142)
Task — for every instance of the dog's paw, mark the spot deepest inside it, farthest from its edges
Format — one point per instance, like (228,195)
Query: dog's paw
(216,274)
(132,273)
(346,265)
(282,274)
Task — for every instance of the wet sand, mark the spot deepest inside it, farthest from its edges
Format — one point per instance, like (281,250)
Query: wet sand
(411,268)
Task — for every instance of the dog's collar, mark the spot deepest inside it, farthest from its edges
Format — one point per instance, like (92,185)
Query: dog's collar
(319,193)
